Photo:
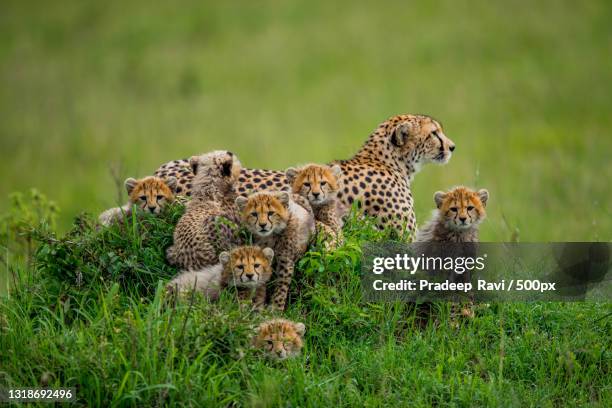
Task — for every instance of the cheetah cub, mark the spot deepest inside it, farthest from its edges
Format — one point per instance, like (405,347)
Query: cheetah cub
(279,338)
(247,268)
(319,185)
(458,215)
(149,194)
(460,212)
(207,227)
(284,223)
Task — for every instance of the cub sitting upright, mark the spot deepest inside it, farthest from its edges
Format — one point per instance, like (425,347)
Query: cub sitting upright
(284,223)
(460,212)
(208,226)
(149,194)
(319,185)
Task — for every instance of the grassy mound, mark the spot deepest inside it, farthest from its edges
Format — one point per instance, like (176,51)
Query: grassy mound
(91,313)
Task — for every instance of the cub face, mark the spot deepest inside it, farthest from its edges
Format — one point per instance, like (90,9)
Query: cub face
(318,184)
(247,266)
(151,194)
(280,338)
(461,207)
(264,213)
(221,164)
(420,138)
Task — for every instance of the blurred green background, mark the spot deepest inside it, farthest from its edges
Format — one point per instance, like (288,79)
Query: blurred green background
(523,89)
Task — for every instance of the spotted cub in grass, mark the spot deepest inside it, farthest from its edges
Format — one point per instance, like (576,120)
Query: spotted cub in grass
(247,268)
(209,224)
(458,215)
(149,195)
(284,223)
(319,185)
(280,339)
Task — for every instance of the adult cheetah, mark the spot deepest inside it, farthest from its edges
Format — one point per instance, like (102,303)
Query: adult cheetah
(377,177)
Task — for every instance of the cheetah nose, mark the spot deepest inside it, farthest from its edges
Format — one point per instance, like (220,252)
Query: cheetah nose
(279,352)
(262,226)
(463,219)
(316,195)
(451,148)
(250,277)
(152,209)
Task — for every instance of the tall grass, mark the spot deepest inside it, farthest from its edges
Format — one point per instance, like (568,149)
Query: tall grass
(92,314)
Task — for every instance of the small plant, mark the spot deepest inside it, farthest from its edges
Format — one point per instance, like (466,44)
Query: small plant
(131,253)
(27,212)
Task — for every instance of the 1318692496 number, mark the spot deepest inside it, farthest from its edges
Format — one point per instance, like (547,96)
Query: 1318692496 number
(37,394)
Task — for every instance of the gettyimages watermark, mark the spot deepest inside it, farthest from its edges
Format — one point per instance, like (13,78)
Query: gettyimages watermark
(502,272)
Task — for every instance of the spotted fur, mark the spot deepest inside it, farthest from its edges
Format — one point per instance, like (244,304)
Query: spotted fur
(319,184)
(277,220)
(280,338)
(457,217)
(149,195)
(248,268)
(377,177)
(208,226)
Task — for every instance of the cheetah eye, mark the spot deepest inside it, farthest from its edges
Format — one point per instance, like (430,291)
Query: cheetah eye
(269,342)
(254,214)
(323,183)
(143,198)
(270,213)
(257,265)
(470,208)
(160,197)
(306,184)
(454,209)
(241,267)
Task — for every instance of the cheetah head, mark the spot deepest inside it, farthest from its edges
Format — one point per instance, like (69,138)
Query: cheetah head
(219,164)
(151,194)
(247,266)
(419,139)
(280,338)
(264,213)
(462,208)
(317,183)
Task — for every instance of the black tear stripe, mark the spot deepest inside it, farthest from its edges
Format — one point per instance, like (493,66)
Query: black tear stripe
(439,139)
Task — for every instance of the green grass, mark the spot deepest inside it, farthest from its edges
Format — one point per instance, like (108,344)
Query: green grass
(91,314)
(523,90)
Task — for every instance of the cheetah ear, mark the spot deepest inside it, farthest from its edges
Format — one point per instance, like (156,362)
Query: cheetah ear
(172,183)
(130,184)
(194,162)
(224,257)
(336,171)
(401,133)
(484,196)
(241,202)
(300,328)
(269,254)
(236,167)
(283,197)
(439,198)
(226,167)
(291,173)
